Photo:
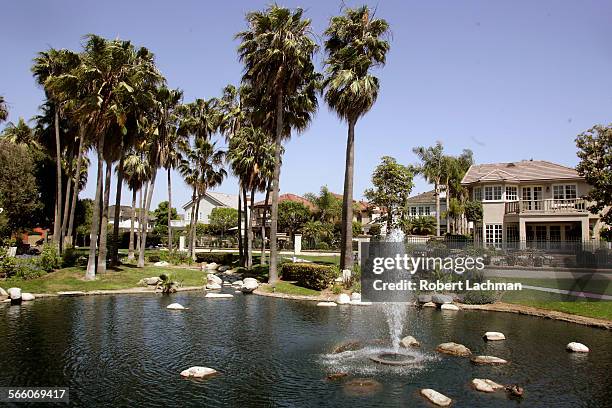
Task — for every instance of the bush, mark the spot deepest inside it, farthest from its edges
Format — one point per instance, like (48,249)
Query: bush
(69,257)
(323,246)
(7,264)
(309,275)
(49,259)
(216,257)
(337,289)
(482,297)
(153,258)
(26,269)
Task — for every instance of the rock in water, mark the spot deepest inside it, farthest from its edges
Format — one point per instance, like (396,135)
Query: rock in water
(454,349)
(249,285)
(494,336)
(198,372)
(436,398)
(212,266)
(577,347)
(486,385)
(429,304)
(335,376)
(27,297)
(515,390)
(175,306)
(409,341)
(343,299)
(441,299)
(223,268)
(212,278)
(3,292)
(14,293)
(237,283)
(219,295)
(213,286)
(424,298)
(327,304)
(356,297)
(491,360)
(449,306)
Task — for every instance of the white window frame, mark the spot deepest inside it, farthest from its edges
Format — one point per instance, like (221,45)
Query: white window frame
(477,193)
(427,211)
(413,211)
(512,197)
(492,191)
(564,195)
(494,234)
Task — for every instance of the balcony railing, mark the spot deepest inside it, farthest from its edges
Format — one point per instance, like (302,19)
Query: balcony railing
(549,206)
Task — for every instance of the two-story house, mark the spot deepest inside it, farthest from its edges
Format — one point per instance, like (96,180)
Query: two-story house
(424,205)
(531,201)
(208,202)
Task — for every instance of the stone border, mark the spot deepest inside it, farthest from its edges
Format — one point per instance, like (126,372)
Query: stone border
(127,291)
(319,298)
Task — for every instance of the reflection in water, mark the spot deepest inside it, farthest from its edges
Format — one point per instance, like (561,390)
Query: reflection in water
(129,350)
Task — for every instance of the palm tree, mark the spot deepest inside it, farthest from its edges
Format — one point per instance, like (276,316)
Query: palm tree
(3,109)
(277,51)
(354,46)
(328,206)
(20,133)
(422,225)
(136,171)
(432,168)
(48,66)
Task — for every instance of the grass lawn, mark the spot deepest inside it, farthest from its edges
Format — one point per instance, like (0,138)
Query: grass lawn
(126,276)
(322,259)
(290,289)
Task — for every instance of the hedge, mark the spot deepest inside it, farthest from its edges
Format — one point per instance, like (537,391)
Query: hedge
(218,258)
(309,275)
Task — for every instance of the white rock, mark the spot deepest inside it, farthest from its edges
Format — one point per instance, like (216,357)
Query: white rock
(14,293)
(227,283)
(25,297)
(212,278)
(360,303)
(436,398)
(237,283)
(488,360)
(355,296)
(343,299)
(454,349)
(494,336)
(175,306)
(237,291)
(429,304)
(577,347)
(198,372)
(409,341)
(161,263)
(223,268)
(449,306)
(71,293)
(486,385)
(3,292)
(6,301)
(327,304)
(219,295)
(213,286)
(249,285)
(154,280)
(212,266)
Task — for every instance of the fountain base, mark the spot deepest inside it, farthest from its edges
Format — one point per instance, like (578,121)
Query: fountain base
(394,359)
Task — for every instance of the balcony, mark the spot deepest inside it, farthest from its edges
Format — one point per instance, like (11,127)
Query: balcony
(549,206)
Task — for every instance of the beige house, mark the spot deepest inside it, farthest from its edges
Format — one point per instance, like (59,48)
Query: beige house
(424,205)
(531,201)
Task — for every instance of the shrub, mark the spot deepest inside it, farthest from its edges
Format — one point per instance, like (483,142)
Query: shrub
(511,260)
(153,258)
(309,275)
(481,297)
(337,289)
(69,257)
(323,246)
(26,269)
(216,257)
(7,264)
(49,259)
(538,261)
(167,284)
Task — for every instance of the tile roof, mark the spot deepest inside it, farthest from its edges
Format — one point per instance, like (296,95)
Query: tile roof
(426,197)
(525,170)
(289,197)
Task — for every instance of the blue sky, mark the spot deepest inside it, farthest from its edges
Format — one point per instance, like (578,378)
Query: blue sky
(510,80)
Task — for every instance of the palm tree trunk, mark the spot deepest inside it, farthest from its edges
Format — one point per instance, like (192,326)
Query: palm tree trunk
(90,274)
(247,247)
(346,250)
(191,221)
(194,230)
(75,192)
(169,211)
(437,193)
(447,207)
(273,274)
(58,192)
(132,220)
(138,230)
(250,232)
(240,248)
(263,227)
(117,215)
(104,219)
(145,217)
(66,209)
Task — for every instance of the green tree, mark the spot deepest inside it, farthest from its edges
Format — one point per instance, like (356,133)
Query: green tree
(222,219)
(473,211)
(82,218)
(328,205)
(354,45)
(392,186)
(277,50)
(163,218)
(595,153)
(292,216)
(3,110)
(425,225)
(432,167)
(18,189)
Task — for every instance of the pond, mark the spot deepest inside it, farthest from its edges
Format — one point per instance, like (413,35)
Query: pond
(128,350)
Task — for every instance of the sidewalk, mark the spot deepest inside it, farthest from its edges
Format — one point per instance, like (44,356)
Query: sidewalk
(569,292)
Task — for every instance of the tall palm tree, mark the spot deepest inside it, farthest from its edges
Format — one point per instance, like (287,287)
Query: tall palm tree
(20,133)
(136,171)
(49,65)
(432,167)
(277,51)
(355,44)
(3,110)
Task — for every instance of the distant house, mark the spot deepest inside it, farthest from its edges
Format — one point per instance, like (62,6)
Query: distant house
(260,208)
(209,201)
(125,217)
(424,205)
(531,201)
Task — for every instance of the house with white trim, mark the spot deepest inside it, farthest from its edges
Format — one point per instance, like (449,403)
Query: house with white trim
(531,201)
(209,201)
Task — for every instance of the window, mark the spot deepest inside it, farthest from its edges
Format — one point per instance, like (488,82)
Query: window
(421,210)
(564,192)
(477,194)
(427,211)
(512,233)
(493,233)
(511,193)
(492,193)
(413,211)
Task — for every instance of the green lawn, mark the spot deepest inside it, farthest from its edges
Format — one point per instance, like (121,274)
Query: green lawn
(322,259)
(584,284)
(290,289)
(126,276)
